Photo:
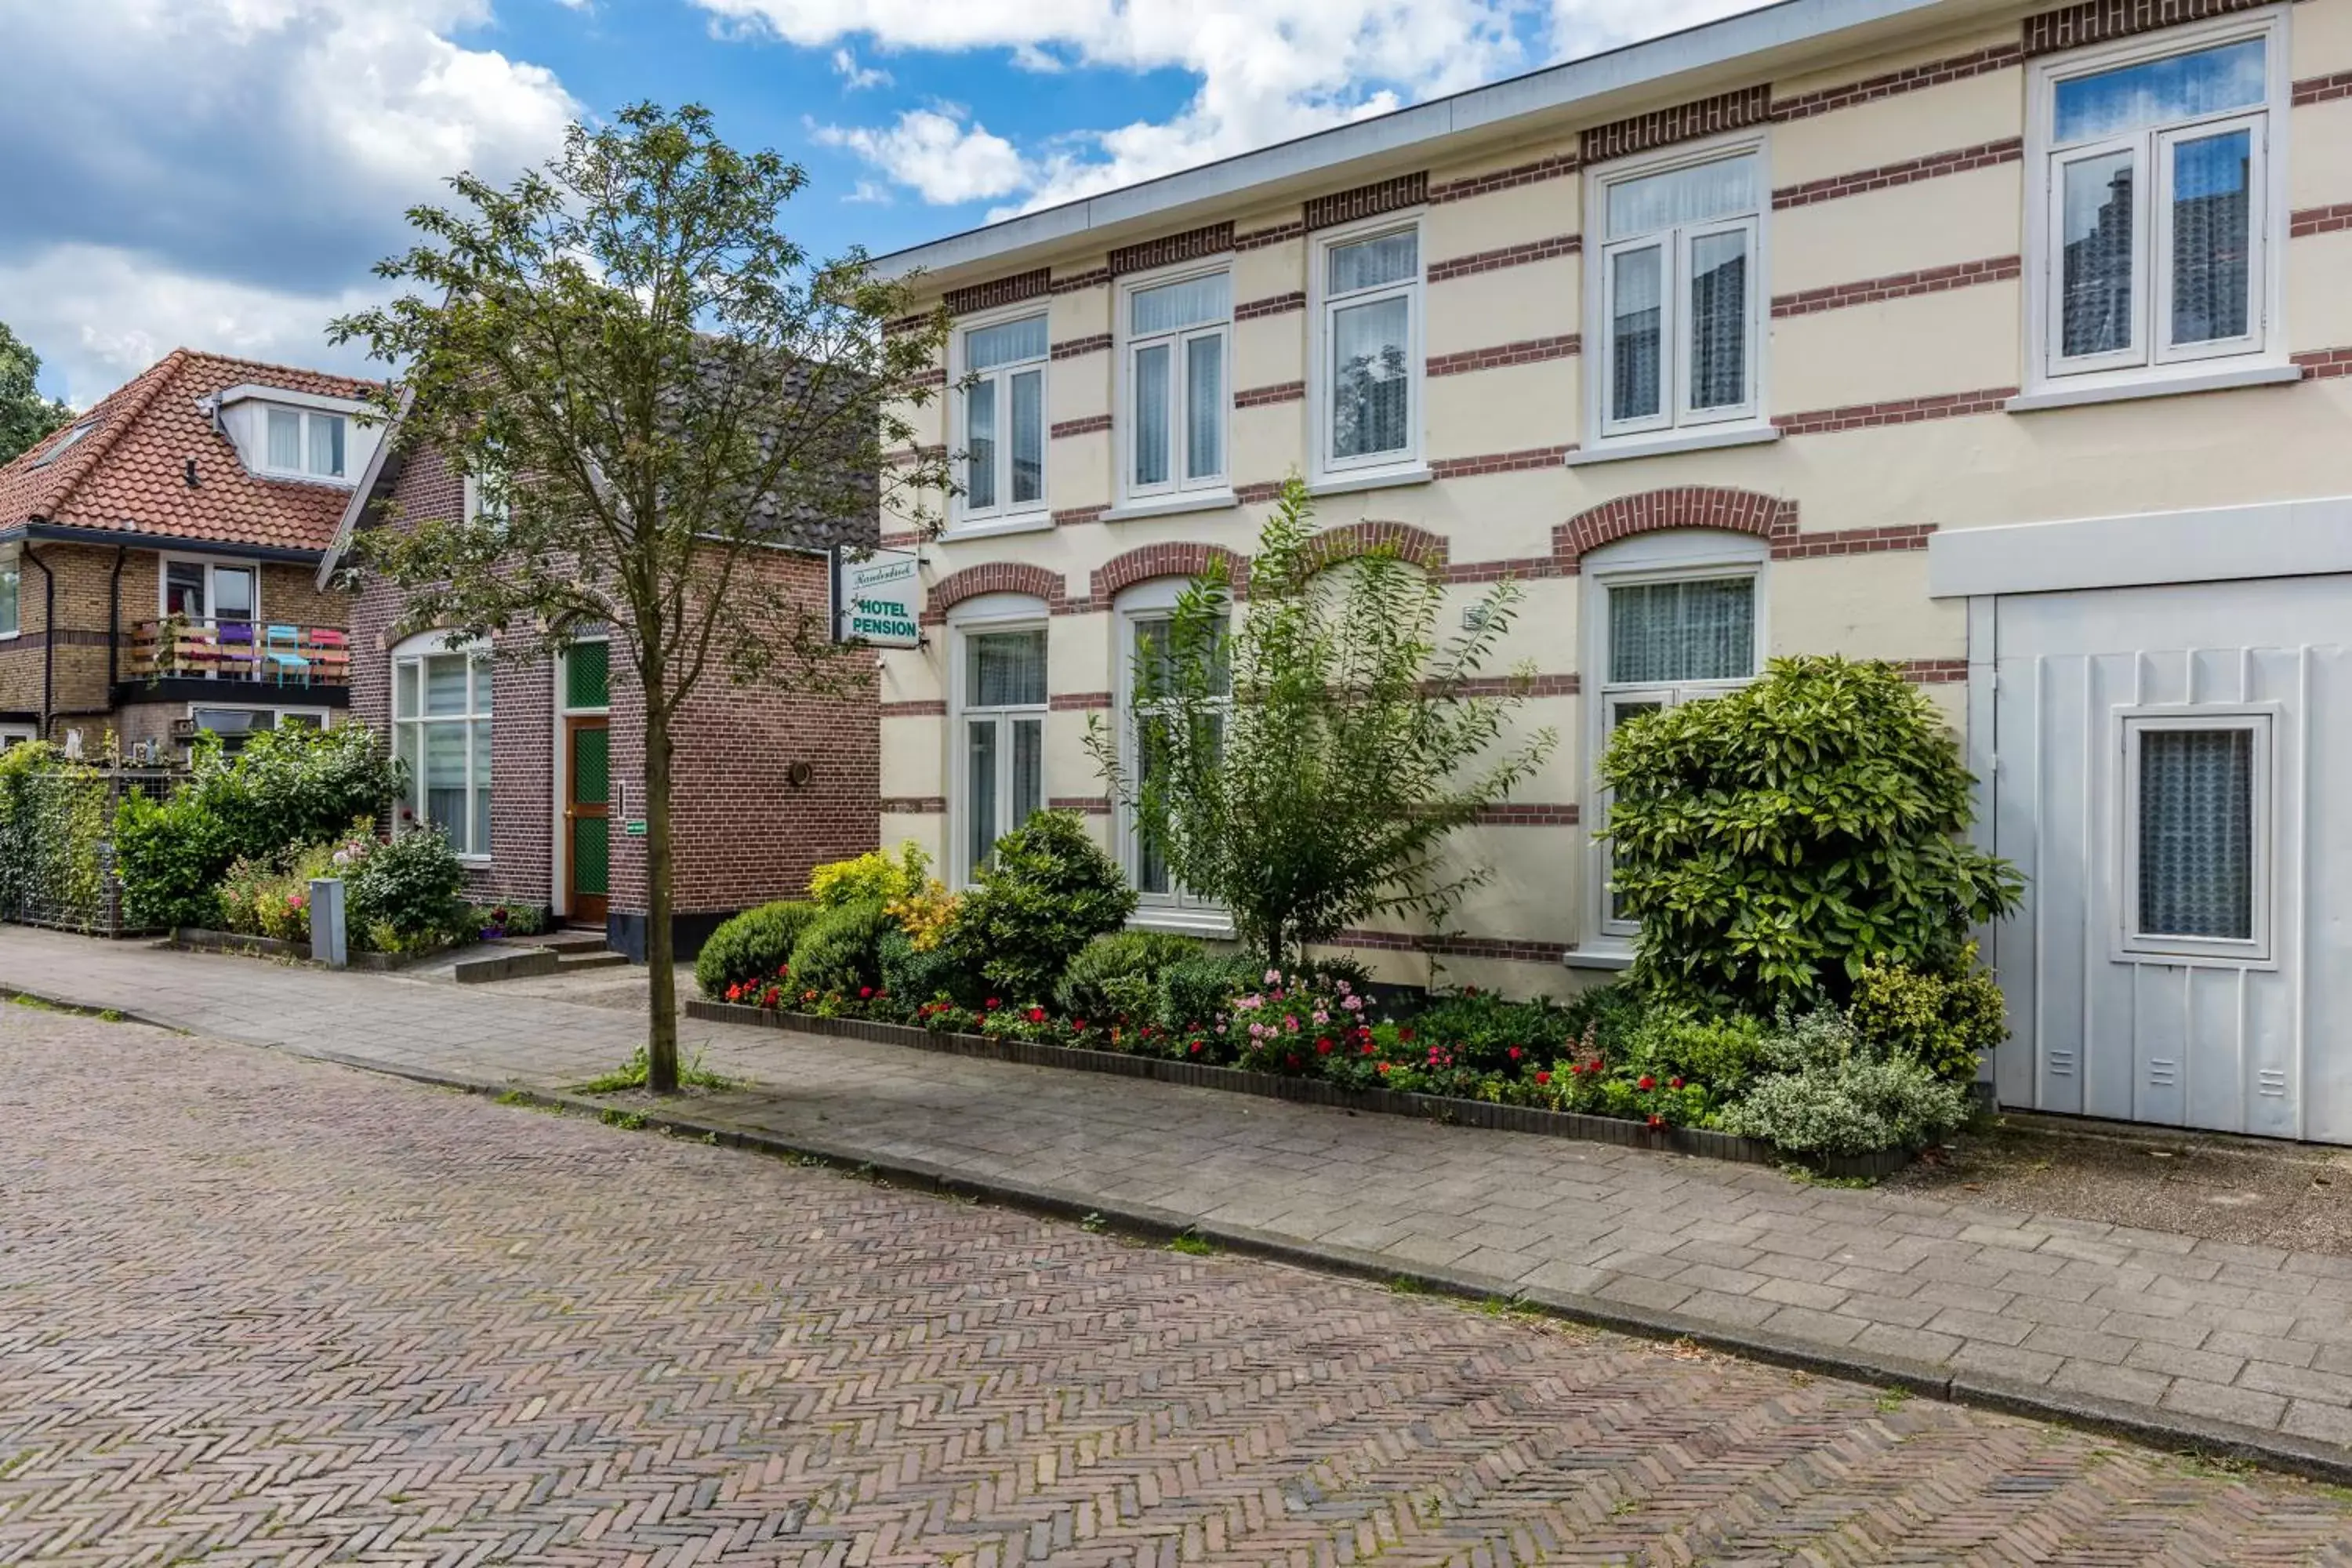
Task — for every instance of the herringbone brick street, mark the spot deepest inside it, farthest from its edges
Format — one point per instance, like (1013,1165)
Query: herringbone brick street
(259,1309)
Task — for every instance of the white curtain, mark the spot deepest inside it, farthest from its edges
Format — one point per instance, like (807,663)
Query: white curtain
(286,440)
(1204,406)
(1700,194)
(2197,832)
(1637,287)
(1694,629)
(1371,263)
(985,348)
(1718,320)
(1028,770)
(1154,367)
(979,776)
(1028,435)
(980,444)
(326,446)
(1371,381)
(1195,301)
(1006,670)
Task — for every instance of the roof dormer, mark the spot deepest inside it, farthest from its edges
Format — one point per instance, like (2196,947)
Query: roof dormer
(284,435)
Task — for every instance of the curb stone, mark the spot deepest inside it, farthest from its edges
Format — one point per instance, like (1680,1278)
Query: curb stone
(2162,1429)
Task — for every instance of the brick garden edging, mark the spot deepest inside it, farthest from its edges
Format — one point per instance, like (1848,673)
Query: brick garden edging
(1701,1141)
(196,939)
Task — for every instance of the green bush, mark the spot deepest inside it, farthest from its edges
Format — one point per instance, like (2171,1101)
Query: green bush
(54,815)
(1480,1030)
(841,949)
(915,975)
(1048,891)
(1117,976)
(1774,841)
(752,947)
(1945,1024)
(1610,1013)
(171,855)
(1193,990)
(402,896)
(1831,1092)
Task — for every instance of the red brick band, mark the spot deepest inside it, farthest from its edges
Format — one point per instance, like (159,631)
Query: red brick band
(1183,558)
(1075,347)
(1275,305)
(2320,220)
(1934,165)
(1685,506)
(1933,73)
(1076,516)
(1263,490)
(1851,541)
(1087,427)
(1084,805)
(1901,411)
(2095,21)
(1499,462)
(1935,671)
(1369,201)
(935,376)
(1210,239)
(1079,701)
(1507,948)
(1898,286)
(1078,282)
(2320,88)
(1528,814)
(999,292)
(1494,260)
(991,577)
(1260,396)
(1680,122)
(1528,351)
(1567,685)
(1258,240)
(2325,364)
(1521,568)
(916,709)
(1350,540)
(914,805)
(1559,165)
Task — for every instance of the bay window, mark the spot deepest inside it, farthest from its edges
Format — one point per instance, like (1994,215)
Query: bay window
(441,733)
(1680,298)
(2157,222)
(1175,356)
(1003,419)
(1000,767)
(1369,364)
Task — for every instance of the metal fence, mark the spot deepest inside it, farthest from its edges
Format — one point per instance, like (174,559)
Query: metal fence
(56,845)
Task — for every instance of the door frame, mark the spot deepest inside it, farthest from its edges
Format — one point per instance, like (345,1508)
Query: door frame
(575,903)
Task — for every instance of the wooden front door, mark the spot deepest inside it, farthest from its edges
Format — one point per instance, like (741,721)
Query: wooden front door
(587,824)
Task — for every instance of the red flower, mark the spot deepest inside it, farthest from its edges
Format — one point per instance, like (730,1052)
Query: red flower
(1323,1046)
(1077,1025)
(865,993)
(992,1003)
(734,994)
(1405,1034)
(1545,1077)
(1036,1015)
(1514,1053)
(1196,1047)
(1674,1083)
(1656,1120)
(1384,1067)
(1647,1082)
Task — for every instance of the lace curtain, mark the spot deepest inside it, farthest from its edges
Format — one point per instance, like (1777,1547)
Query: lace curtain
(2197,832)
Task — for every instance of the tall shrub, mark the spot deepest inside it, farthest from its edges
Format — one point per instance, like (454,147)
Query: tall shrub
(1047,891)
(1775,841)
(1306,767)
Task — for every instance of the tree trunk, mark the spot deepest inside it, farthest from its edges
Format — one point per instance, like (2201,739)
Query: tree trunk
(1273,944)
(661,971)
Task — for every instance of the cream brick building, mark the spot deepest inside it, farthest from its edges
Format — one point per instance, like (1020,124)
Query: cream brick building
(2004,344)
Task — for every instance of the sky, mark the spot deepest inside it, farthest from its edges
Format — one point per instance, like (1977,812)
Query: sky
(224,173)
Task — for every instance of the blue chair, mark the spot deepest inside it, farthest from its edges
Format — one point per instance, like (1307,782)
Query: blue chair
(286,660)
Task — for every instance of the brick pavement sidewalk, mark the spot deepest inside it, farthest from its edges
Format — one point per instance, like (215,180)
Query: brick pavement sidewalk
(2179,1338)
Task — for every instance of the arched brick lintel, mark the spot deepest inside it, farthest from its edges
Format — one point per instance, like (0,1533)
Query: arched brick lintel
(1349,540)
(1685,506)
(1175,559)
(992,577)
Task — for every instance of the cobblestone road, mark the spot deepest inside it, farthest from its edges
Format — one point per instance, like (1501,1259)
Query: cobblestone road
(256,1310)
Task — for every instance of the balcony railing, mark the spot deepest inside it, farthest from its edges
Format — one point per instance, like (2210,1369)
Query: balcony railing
(272,653)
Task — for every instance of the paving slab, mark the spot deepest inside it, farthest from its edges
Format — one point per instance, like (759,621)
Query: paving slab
(1605,1232)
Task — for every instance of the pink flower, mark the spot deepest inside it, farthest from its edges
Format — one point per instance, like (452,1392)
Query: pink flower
(1274,977)
(1321,1017)
(1514,1053)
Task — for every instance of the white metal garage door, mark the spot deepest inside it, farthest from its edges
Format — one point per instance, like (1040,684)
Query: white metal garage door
(2173,774)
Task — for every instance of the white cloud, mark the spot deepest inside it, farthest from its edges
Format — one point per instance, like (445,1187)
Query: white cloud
(855,77)
(268,148)
(1268,70)
(939,152)
(98,316)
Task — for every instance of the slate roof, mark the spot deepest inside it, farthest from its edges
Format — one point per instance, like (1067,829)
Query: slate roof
(129,473)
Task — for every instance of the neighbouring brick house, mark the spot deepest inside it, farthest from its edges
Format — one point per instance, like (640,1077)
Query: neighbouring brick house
(534,766)
(2008,344)
(158,557)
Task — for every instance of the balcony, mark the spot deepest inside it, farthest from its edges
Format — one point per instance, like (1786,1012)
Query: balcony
(187,659)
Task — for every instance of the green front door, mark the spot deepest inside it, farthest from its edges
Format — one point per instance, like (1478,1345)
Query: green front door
(587,818)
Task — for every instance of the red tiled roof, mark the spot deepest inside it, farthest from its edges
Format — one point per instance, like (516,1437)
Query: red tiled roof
(129,475)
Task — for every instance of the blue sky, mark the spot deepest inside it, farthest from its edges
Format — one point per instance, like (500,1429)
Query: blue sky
(221,173)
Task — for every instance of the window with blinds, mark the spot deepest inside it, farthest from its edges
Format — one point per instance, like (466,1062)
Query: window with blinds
(1370,371)
(1176,353)
(1680,300)
(1003,418)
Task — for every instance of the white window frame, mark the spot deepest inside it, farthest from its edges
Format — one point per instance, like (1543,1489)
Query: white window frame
(2134,945)
(279,713)
(1175,910)
(964,519)
(210,566)
(1673,416)
(12,575)
(1128,427)
(1678,555)
(1414,291)
(2149,362)
(987,615)
(480,672)
(303,418)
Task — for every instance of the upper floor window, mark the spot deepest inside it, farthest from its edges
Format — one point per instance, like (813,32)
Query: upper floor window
(1176,337)
(10,573)
(1680,306)
(2157,222)
(302,442)
(1002,413)
(1370,350)
(205,591)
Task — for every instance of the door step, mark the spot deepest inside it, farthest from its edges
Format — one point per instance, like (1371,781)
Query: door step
(568,961)
(552,952)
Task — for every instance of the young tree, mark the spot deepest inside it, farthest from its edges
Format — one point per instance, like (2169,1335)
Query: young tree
(650,384)
(26,416)
(1305,767)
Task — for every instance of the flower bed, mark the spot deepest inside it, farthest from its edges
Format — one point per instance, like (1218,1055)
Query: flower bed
(194,939)
(1696,1141)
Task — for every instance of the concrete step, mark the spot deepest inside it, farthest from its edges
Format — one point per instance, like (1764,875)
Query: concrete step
(568,941)
(570,960)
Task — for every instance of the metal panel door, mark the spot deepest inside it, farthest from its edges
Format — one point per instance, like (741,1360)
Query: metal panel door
(2243,1023)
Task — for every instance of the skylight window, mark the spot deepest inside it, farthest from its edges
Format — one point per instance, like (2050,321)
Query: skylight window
(58,448)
